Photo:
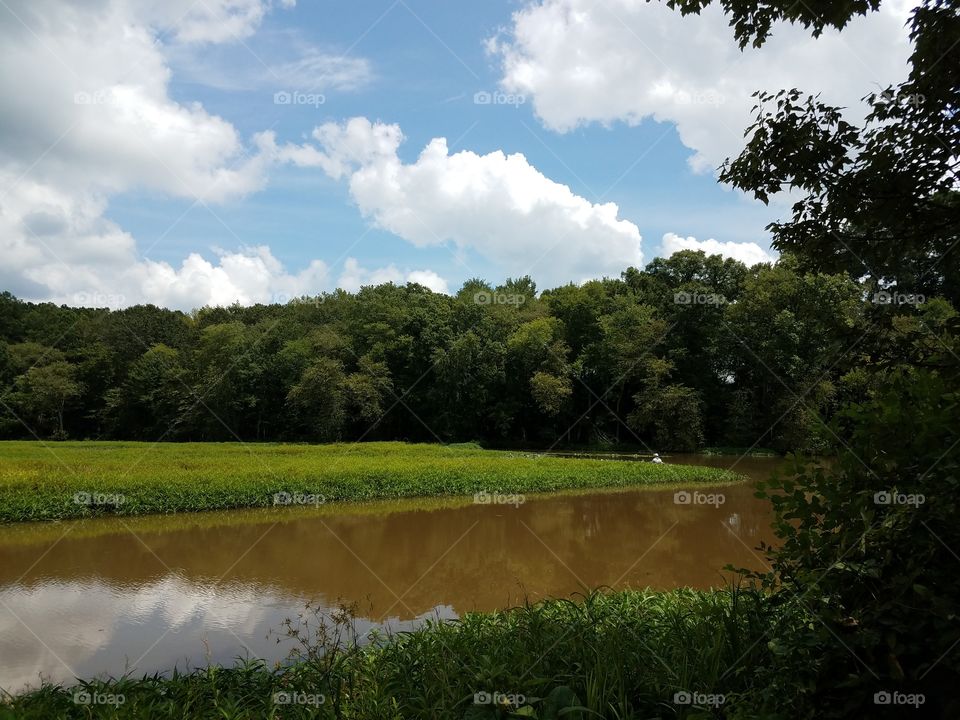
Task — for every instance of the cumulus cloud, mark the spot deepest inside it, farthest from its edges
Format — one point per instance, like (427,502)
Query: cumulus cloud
(496,205)
(746,252)
(207,21)
(87,114)
(354,276)
(581,61)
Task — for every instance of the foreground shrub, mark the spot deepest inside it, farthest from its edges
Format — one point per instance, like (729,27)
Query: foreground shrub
(869,564)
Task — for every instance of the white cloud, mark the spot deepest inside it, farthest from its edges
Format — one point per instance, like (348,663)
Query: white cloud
(87,108)
(279,61)
(248,276)
(746,252)
(496,205)
(429,279)
(581,61)
(354,277)
(316,70)
(87,114)
(215,21)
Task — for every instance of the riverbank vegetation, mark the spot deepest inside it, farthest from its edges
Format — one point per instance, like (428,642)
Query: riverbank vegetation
(626,654)
(83,479)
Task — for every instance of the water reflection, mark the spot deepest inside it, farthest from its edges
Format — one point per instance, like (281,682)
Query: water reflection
(151,593)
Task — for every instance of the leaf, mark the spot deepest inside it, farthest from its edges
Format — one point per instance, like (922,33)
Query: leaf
(525,711)
(561,702)
(479,712)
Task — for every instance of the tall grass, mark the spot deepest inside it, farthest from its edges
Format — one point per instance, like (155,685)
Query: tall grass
(43,481)
(629,654)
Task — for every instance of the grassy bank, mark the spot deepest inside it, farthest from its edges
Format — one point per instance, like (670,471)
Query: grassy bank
(617,655)
(82,479)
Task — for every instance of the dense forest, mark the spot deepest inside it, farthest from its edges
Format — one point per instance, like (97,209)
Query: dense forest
(690,351)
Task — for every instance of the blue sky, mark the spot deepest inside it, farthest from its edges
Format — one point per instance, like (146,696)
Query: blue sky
(639,117)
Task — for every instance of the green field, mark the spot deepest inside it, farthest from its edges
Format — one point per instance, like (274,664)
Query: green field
(46,481)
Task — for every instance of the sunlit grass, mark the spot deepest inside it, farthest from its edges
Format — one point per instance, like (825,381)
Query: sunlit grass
(44,481)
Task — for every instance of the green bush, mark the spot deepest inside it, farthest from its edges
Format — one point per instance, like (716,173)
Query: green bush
(867,572)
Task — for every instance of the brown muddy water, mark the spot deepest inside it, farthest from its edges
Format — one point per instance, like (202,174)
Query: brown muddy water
(143,595)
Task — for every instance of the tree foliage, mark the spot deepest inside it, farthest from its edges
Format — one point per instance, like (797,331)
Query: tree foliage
(865,570)
(613,360)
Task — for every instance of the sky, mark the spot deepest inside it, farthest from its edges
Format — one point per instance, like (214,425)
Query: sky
(206,152)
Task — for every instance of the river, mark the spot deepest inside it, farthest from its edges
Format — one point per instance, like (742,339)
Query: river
(142,595)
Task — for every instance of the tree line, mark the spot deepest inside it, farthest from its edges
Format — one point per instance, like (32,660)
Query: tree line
(692,350)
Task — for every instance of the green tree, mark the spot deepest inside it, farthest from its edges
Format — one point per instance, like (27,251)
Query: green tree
(150,401)
(878,200)
(866,583)
(43,394)
(669,414)
(785,343)
(368,390)
(318,400)
(550,392)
